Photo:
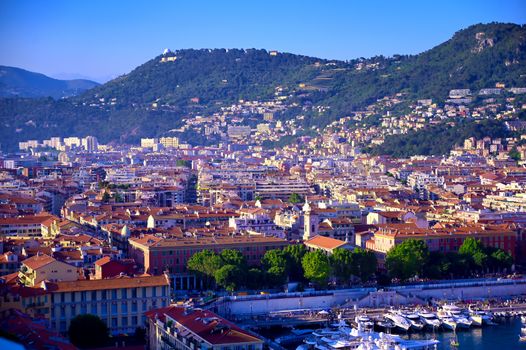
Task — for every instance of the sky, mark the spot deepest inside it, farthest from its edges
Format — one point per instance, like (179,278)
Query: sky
(101,39)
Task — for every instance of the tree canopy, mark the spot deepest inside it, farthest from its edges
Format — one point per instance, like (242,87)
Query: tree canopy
(407,259)
(87,331)
(316,266)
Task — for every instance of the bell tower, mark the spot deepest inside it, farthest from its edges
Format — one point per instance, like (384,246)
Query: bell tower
(310,222)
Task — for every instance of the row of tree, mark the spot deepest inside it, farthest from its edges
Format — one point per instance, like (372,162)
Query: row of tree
(230,270)
(413,258)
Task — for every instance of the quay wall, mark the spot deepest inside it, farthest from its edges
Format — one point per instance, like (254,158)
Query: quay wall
(368,297)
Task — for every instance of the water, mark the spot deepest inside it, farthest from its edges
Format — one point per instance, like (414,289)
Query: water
(503,336)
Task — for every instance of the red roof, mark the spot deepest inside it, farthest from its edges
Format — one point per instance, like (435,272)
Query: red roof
(207,325)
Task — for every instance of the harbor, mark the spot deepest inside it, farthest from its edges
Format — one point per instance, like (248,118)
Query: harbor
(445,326)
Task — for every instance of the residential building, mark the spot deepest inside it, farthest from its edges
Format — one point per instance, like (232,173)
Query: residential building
(189,329)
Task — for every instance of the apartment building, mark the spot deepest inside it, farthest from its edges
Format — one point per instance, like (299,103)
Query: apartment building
(189,329)
(157,254)
(119,302)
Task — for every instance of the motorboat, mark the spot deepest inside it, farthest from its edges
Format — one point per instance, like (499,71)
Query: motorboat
(449,322)
(416,322)
(480,317)
(399,321)
(364,322)
(385,324)
(459,315)
(345,338)
(430,319)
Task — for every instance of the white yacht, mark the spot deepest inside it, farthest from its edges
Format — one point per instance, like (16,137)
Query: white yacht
(399,321)
(364,322)
(480,317)
(430,319)
(458,314)
(448,322)
(416,322)
(356,339)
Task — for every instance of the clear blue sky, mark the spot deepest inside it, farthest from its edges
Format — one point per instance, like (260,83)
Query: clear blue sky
(101,38)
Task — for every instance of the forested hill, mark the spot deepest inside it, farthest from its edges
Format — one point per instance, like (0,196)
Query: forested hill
(17,82)
(217,75)
(201,81)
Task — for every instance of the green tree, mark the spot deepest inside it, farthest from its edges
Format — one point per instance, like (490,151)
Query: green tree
(233,257)
(205,263)
(86,331)
(255,278)
(106,197)
(514,154)
(316,267)
(275,264)
(342,264)
(295,254)
(229,277)
(118,197)
(364,264)
(474,252)
(501,259)
(183,163)
(295,198)
(407,259)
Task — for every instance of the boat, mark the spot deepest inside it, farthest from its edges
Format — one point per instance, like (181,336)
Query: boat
(459,315)
(398,320)
(430,319)
(385,324)
(480,317)
(364,322)
(449,323)
(345,338)
(413,318)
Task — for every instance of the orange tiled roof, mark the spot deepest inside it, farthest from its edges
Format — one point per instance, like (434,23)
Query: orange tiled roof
(325,242)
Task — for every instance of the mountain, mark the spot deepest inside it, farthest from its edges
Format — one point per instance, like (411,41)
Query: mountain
(17,82)
(196,82)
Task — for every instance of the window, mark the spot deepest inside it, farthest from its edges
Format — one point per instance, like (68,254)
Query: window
(94,309)
(125,321)
(124,293)
(134,293)
(94,295)
(114,322)
(103,296)
(134,306)
(114,293)
(124,307)
(73,297)
(154,291)
(113,308)
(134,321)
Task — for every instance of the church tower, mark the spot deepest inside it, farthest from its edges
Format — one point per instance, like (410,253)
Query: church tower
(310,222)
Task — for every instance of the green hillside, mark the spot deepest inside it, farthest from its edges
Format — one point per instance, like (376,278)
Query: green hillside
(202,81)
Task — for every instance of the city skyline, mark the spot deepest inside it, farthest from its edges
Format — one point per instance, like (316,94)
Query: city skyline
(100,41)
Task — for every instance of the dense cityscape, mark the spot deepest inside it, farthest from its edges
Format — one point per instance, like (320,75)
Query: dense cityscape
(284,219)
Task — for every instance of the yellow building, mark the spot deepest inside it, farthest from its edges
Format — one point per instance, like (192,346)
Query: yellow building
(169,142)
(42,267)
